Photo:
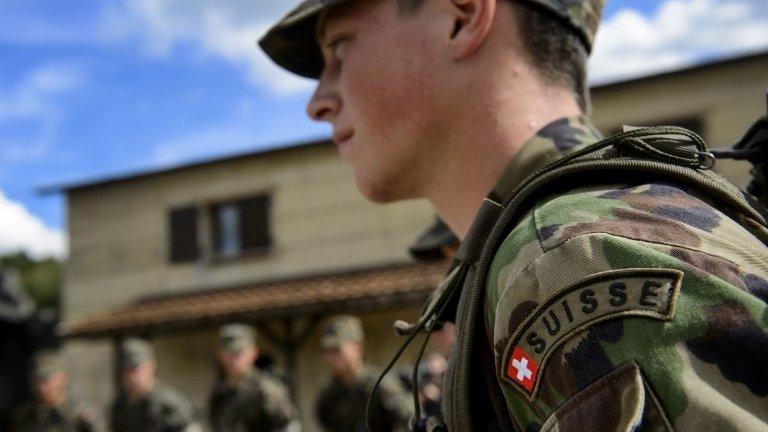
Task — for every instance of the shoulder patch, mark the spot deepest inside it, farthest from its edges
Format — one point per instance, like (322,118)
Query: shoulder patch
(650,293)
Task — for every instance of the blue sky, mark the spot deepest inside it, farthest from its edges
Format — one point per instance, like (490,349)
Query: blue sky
(95,88)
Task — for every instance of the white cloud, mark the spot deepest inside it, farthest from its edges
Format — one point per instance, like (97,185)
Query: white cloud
(679,33)
(33,101)
(21,231)
(227,31)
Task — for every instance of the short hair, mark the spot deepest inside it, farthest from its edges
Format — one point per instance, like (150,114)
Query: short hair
(556,51)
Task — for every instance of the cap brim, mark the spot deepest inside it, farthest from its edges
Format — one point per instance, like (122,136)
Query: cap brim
(45,374)
(430,243)
(291,43)
(331,342)
(236,347)
(131,365)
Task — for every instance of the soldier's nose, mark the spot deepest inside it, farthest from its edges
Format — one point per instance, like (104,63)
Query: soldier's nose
(323,105)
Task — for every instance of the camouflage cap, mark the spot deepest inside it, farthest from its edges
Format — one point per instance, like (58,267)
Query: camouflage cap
(431,243)
(236,337)
(292,45)
(134,352)
(47,363)
(340,329)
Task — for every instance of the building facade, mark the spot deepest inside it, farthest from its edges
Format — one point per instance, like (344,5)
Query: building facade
(171,255)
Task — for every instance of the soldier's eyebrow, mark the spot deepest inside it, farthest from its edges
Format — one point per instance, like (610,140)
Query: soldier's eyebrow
(340,15)
(320,27)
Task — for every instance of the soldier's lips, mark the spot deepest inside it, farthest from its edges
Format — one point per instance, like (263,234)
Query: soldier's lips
(343,138)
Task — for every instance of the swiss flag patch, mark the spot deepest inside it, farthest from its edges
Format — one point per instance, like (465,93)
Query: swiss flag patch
(522,369)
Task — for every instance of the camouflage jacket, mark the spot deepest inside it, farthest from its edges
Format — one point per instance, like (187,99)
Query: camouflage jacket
(259,402)
(342,409)
(626,307)
(163,410)
(70,417)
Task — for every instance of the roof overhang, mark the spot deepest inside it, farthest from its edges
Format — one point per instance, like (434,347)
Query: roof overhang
(384,287)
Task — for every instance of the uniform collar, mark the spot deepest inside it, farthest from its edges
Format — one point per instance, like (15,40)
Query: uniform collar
(242,382)
(550,143)
(360,378)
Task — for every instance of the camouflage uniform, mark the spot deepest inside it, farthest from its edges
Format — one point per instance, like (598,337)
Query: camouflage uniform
(70,416)
(341,407)
(259,402)
(636,306)
(614,306)
(162,410)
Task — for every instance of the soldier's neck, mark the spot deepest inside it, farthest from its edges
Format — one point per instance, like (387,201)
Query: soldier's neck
(350,375)
(233,380)
(54,403)
(140,394)
(481,146)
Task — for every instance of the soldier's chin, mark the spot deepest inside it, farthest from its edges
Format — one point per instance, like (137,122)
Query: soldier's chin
(380,192)
(383,189)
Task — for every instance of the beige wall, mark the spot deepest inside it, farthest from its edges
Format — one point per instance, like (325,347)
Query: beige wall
(119,235)
(728,99)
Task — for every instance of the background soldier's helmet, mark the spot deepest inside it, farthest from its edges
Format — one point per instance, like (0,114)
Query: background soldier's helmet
(48,363)
(235,338)
(341,328)
(134,352)
(433,242)
(291,42)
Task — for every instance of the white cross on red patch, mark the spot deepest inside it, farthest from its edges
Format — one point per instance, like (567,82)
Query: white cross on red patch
(522,369)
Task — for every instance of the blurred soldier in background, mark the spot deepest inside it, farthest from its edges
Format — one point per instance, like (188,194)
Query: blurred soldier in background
(342,403)
(145,405)
(431,383)
(24,330)
(437,242)
(52,410)
(246,399)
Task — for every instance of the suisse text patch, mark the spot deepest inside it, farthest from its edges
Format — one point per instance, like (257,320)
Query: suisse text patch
(631,292)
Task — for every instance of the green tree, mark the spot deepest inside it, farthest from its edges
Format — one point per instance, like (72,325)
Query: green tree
(41,279)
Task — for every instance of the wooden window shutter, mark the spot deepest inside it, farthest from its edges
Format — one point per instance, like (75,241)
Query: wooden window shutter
(184,242)
(255,223)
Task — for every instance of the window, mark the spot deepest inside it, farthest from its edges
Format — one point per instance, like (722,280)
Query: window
(240,227)
(184,244)
(228,233)
(226,229)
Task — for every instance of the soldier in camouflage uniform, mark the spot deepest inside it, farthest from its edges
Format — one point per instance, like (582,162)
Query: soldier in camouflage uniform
(52,410)
(341,404)
(144,404)
(636,305)
(246,399)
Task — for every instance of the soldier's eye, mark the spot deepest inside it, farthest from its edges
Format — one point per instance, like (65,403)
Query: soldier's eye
(338,47)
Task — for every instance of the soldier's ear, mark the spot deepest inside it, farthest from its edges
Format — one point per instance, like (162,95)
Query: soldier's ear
(472,20)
